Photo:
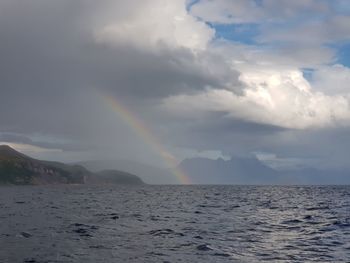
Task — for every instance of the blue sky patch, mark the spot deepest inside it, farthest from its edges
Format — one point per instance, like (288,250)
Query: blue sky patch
(243,33)
(344,54)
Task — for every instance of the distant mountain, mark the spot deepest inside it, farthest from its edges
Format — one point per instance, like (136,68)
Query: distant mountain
(148,173)
(17,168)
(253,171)
(234,171)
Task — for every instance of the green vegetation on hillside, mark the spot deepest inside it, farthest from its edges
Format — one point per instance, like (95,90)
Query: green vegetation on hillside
(19,169)
(12,173)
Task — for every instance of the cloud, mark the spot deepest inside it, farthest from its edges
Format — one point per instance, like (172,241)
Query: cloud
(52,65)
(169,67)
(332,80)
(281,98)
(310,33)
(42,143)
(160,22)
(299,33)
(225,11)
(55,65)
(251,11)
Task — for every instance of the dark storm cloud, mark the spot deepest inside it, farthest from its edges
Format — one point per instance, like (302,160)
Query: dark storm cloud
(50,63)
(136,73)
(48,47)
(217,131)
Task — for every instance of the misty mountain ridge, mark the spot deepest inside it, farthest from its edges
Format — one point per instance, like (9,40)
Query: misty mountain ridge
(250,170)
(233,171)
(17,168)
(237,170)
(20,169)
(148,173)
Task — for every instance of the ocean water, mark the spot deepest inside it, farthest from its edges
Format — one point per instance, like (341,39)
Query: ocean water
(174,224)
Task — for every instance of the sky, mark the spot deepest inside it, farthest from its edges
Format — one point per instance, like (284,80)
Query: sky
(264,78)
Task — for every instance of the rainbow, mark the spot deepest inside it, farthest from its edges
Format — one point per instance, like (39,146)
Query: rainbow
(145,134)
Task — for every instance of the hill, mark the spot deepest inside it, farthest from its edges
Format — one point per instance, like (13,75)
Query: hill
(148,173)
(19,169)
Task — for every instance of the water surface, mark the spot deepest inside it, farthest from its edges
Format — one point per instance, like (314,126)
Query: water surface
(174,224)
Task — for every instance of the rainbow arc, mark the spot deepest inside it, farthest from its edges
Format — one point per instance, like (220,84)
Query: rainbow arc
(146,135)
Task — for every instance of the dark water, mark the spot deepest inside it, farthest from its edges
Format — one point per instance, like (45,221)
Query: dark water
(174,224)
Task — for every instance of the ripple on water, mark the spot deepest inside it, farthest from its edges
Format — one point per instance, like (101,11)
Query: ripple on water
(175,224)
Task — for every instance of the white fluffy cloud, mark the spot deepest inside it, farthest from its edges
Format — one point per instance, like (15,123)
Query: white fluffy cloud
(276,97)
(296,32)
(158,22)
(332,79)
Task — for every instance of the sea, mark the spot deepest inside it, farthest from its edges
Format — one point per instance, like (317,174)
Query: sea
(77,223)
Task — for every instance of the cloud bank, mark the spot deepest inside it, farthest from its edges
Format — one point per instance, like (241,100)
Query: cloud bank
(233,77)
